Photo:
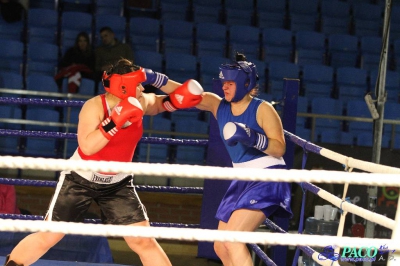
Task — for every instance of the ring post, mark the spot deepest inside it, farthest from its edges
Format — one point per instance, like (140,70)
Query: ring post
(289,113)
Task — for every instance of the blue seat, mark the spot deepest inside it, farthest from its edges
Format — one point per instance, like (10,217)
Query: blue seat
(180,67)
(270,19)
(78,6)
(188,125)
(392,83)
(351,83)
(367,19)
(392,111)
(177,35)
(277,71)
(41,147)
(303,7)
(271,5)
(395,22)
(318,81)
(86,87)
(358,108)
(153,153)
(327,106)
(117,23)
(330,136)
(342,50)
(194,155)
(42,18)
(111,7)
(76,20)
(302,22)
(246,38)
(370,51)
(309,47)
(11,55)
(365,139)
(42,52)
(42,68)
(11,80)
(41,83)
(149,59)
(203,13)
(69,146)
(42,114)
(176,11)
(71,115)
(145,33)
(45,4)
(335,8)
(11,112)
(210,48)
(46,35)
(347,138)
(238,12)
(10,145)
(334,25)
(277,44)
(12,31)
(210,39)
(160,124)
(302,107)
(183,115)
(235,16)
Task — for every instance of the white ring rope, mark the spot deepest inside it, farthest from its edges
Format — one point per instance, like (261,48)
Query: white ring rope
(186,234)
(390,178)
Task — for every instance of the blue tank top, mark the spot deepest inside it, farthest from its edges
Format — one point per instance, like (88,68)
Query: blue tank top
(240,153)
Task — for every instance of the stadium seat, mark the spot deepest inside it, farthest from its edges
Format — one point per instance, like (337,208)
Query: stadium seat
(351,83)
(145,33)
(149,59)
(277,44)
(277,71)
(177,36)
(309,48)
(317,81)
(180,67)
(342,50)
(327,106)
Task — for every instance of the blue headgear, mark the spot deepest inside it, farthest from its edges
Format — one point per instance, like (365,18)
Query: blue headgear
(243,73)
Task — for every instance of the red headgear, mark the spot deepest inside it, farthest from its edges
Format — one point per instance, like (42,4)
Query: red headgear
(123,86)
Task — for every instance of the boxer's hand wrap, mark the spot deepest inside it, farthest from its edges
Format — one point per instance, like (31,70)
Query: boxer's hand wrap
(154,78)
(189,94)
(236,132)
(128,109)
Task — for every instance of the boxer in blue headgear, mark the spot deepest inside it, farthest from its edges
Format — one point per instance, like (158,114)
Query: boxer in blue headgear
(243,73)
(253,135)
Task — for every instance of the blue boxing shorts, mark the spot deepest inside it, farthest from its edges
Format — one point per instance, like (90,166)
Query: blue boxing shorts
(269,197)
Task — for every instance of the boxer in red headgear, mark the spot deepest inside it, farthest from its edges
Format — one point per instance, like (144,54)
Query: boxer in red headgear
(109,128)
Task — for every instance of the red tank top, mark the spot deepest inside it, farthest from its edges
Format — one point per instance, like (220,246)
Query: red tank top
(122,146)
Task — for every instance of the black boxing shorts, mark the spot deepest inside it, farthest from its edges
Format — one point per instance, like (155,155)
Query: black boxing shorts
(118,202)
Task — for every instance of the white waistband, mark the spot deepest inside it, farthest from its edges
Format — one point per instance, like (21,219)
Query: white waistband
(261,162)
(98,177)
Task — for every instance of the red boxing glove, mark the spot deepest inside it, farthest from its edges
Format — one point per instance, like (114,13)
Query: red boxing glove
(128,109)
(185,96)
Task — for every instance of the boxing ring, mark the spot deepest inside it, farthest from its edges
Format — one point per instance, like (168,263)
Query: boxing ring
(377,175)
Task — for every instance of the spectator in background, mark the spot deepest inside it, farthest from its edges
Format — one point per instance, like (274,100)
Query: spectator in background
(78,62)
(110,51)
(11,10)
(8,200)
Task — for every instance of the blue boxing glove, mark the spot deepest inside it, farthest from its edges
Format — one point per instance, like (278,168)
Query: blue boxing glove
(154,78)
(237,132)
